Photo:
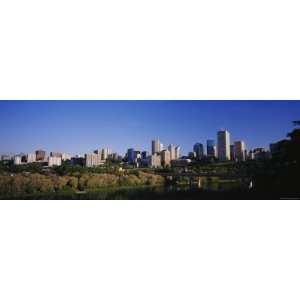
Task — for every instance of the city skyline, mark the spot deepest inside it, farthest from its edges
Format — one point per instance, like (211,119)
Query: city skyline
(79,127)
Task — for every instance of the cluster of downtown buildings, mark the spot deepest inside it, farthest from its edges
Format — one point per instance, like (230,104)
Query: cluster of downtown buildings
(223,150)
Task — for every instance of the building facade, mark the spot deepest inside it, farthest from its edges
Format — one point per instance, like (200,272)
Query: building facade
(17,160)
(154,161)
(239,151)
(155,146)
(165,158)
(93,160)
(54,161)
(31,157)
(223,145)
(211,148)
(198,150)
(40,155)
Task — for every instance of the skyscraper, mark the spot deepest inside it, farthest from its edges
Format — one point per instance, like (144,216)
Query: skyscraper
(239,150)
(211,148)
(130,155)
(155,146)
(232,152)
(165,158)
(177,152)
(223,146)
(198,149)
(172,150)
(40,155)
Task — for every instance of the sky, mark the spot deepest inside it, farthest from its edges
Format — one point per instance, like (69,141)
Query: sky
(78,127)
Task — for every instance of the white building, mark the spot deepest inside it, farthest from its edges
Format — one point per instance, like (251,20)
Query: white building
(65,156)
(17,160)
(54,161)
(165,158)
(172,150)
(223,146)
(177,152)
(31,157)
(239,151)
(154,161)
(93,160)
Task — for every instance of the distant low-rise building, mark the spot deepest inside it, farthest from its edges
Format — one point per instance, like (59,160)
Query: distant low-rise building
(184,162)
(261,154)
(5,157)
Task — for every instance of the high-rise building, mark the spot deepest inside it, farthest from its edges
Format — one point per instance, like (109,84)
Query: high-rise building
(17,160)
(65,156)
(154,161)
(40,155)
(239,151)
(145,154)
(211,148)
(55,154)
(199,151)
(223,145)
(155,146)
(130,155)
(232,152)
(54,161)
(31,157)
(172,150)
(177,152)
(93,160)
(104,153)
(165,158)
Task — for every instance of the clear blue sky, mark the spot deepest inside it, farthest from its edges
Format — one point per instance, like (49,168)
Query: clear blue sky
(82,126)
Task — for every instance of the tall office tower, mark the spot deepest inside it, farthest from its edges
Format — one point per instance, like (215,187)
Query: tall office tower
(105,152)
(232,152)
(198,149)
(223,146)
(177,152)
(211,148)
(165,158)
(31,157)
(155,146)
(40,155)
(172,150)
(239,151)
(130,155)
